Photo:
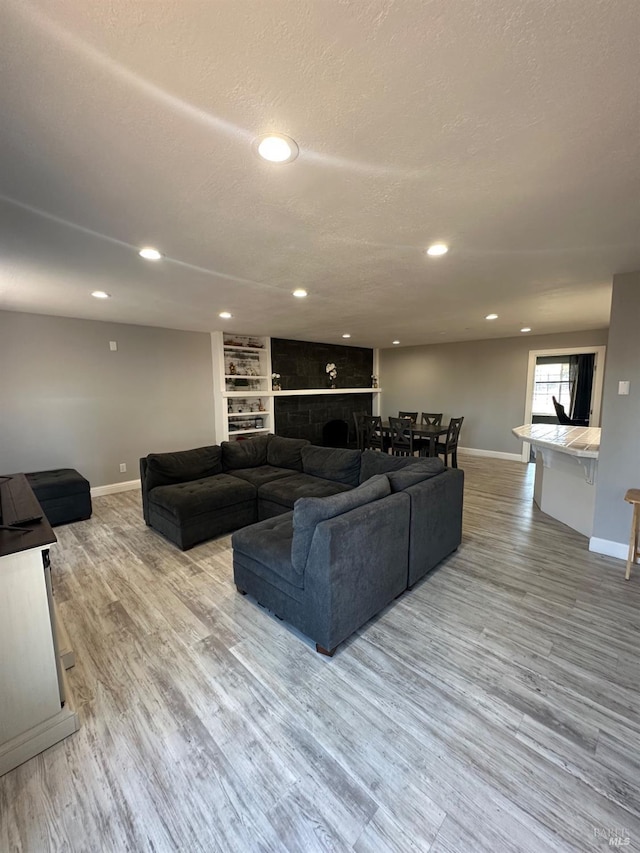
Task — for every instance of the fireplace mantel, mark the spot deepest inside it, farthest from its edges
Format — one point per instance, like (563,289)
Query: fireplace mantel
(308,392)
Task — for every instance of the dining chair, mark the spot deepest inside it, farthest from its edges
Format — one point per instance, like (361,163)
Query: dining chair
(412,415)
(431,419)
(422,444)
(450,444)
(563,417)
(373,437)
(401,437)
(357,419)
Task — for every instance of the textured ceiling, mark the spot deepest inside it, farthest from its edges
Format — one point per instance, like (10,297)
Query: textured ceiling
(508,128)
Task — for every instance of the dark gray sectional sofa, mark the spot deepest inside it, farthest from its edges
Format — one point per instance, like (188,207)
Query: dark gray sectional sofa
(194,495)
(325,537)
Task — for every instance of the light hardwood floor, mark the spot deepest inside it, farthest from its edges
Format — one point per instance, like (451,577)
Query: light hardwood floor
(492,708)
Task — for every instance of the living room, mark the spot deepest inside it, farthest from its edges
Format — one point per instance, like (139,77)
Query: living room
(493,705)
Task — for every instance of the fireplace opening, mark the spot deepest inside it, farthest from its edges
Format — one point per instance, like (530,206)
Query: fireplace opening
(335,433)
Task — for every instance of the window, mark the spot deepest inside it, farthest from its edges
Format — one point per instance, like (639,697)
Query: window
(552,379)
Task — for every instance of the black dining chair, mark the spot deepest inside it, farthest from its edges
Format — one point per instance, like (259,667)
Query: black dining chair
(450,445)
(427,419)
(431,419)
(563,417)
(357,419)
(401,437)
(373,437)
(413,416)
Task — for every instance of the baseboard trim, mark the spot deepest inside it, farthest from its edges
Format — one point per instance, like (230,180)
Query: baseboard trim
(609,548)
(114,488)
(38,738)
(495,454)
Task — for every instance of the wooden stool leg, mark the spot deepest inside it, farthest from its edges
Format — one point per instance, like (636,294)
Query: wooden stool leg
(633,542)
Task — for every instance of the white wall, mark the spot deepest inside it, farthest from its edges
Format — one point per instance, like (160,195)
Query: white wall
(483,381)
(68,401)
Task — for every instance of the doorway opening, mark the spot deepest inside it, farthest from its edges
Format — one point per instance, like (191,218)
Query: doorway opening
(553,370)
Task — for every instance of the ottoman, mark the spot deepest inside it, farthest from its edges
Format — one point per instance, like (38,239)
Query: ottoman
(62,493)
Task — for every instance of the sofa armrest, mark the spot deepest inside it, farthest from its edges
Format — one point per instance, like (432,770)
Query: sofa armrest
(357,564)
(436,521)
(143,486)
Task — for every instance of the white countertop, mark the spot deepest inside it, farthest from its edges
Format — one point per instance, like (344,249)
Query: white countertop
(572,440)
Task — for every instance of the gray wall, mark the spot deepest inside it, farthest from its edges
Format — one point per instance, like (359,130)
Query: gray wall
(484,381)
(68,401)
(619,460)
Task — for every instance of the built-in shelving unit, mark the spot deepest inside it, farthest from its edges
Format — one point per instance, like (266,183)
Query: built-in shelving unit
(243,393)
(242,385)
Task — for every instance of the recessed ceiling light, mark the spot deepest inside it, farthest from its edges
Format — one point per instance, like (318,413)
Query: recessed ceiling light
(100,294)
(526,329)
(491,317)
(346,335)
(300,293)
(437,249)
(225,315)
(395,343)
(150,254)
(276,148)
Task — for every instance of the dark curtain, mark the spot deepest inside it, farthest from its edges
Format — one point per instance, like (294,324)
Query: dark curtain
(581,386)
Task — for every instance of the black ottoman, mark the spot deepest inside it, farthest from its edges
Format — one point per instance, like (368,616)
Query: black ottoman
(63,494)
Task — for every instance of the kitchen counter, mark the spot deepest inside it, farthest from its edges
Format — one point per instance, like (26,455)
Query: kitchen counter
(573,440)
(566,471)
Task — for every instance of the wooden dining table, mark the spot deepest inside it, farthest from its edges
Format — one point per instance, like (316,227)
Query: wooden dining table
(423,432)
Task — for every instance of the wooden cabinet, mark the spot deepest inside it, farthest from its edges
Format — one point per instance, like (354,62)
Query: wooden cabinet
(33,712)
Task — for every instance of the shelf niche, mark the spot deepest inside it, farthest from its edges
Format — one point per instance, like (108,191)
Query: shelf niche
(242,384)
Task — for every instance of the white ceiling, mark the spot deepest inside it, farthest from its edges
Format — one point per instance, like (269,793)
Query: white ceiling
(508,128)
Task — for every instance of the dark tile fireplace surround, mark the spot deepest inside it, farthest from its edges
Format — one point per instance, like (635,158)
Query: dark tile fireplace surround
(301,365)
(305,417)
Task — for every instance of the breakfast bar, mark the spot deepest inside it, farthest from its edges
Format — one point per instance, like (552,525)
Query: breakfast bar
(566,471)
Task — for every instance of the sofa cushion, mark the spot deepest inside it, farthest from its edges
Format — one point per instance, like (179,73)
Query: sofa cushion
(309,512)
(268,545)
(247,453)
(286,452)
(183,501)
(285,492)
(376,462)
(165,469)
(262,474)
(422,469)
(332,463)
